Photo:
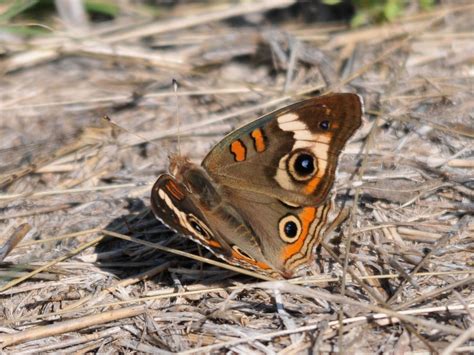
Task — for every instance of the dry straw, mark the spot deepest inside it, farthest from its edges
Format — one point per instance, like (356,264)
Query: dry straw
(96,273)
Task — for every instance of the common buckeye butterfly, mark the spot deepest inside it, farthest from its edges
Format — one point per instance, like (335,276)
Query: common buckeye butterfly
(260,198)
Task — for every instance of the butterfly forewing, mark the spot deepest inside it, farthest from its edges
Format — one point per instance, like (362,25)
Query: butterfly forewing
(206,217)
(290,154)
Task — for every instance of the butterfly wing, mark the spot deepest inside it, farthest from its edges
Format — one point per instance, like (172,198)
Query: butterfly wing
(260,198)
(204,216)
(290,154)
(287,236)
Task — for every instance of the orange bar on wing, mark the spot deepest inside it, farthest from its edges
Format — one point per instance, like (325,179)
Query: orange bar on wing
(259,140)
(238,149)
(174,190)
(213,243)
(311,185)
(259,264)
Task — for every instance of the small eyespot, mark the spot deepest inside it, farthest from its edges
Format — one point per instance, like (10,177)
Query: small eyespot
(242,253)
(289,228)
(302,165)
(324,125)
(198,227)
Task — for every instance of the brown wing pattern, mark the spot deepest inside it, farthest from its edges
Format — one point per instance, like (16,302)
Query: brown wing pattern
(217,226)
(290,154)
(260,199)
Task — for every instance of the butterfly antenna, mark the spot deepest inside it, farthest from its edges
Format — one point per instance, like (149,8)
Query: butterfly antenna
(175,89)
(116,125)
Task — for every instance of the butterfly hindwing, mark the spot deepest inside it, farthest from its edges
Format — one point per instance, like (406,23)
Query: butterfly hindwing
(286,235)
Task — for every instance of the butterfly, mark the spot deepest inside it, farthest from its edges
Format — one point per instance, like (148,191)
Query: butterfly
(260,198)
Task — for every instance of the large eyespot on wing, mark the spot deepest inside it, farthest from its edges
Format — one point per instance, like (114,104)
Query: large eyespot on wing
(302,165)
(290,154)
(300,232)
(320,129)
(290,228)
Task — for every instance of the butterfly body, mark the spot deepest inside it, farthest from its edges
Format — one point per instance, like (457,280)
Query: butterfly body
(260,197)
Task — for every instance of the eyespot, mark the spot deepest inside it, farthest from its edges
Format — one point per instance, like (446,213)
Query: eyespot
(241,253)
(302,165)
(324,125)
(198,227)
(289,228)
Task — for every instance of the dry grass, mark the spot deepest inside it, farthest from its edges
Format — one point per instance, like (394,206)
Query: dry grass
(77,283)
